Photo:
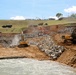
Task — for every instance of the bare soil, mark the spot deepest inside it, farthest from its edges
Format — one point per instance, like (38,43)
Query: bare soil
(28,52)
(67,57)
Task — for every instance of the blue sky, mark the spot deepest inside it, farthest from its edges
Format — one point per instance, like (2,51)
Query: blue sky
(35,8)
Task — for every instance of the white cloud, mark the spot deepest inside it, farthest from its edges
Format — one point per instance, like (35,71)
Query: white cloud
(54,17)
(18,18)
(71,9)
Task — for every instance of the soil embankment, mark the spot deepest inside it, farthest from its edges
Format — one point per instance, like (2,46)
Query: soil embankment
(68,57)
(28,52)
(44,46)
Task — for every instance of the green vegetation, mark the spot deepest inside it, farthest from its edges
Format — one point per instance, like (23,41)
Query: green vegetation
(73,15)
(18,25)
(59,15)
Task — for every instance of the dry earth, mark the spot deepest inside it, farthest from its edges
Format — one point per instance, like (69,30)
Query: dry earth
(67,57)
(28,52)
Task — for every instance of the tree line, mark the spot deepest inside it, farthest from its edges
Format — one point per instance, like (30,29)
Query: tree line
(60,15)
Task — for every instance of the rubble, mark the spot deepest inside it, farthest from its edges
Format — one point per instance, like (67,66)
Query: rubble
(67,29)
(5,41)
(51,49)
(48,46)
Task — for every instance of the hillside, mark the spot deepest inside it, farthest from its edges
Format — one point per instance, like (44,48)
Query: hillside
(18,25)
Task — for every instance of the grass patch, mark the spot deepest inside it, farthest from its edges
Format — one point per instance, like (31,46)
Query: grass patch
(18,25)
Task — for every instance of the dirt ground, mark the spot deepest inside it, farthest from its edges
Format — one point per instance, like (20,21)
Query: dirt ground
(28,52)
(67,57)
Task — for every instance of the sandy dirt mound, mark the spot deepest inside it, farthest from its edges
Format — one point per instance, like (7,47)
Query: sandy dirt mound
(68,57)
(28,52)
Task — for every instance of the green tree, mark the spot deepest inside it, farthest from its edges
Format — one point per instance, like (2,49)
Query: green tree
(73,15)
(59,15)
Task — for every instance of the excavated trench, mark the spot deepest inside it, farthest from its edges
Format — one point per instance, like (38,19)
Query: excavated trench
(41,48)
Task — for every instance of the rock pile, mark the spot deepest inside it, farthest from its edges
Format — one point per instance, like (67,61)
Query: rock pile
(67,29)
(5,41)
(32,43)
(50,48)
